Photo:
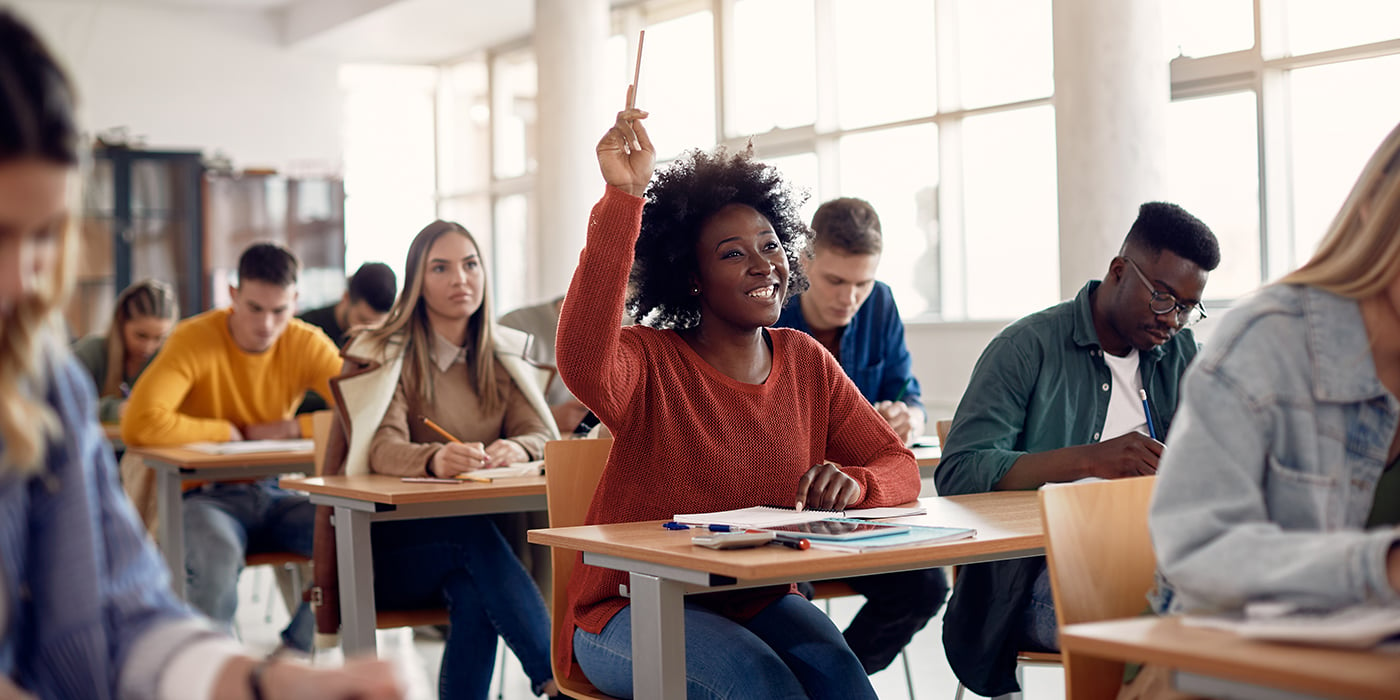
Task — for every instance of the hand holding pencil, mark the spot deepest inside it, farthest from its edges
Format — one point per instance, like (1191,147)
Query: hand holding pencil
(455,457)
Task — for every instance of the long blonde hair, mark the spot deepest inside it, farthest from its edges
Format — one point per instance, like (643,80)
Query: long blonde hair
(407,322)
(1360,255)
(146,299)
(36,97)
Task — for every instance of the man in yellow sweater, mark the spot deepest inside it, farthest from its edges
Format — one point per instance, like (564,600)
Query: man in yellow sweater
(237,374)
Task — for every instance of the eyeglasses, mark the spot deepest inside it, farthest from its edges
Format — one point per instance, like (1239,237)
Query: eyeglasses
(1163,303)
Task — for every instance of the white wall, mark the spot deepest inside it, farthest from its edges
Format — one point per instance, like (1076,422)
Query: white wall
(198,79)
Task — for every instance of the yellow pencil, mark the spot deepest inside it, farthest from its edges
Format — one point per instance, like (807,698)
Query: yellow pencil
(438,429)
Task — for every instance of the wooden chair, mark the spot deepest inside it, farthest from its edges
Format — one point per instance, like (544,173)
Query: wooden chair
(571,472)
(942,427)
(1101,565)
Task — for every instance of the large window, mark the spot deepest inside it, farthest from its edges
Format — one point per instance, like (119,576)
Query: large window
(938,112)
(1273,117)
(388,160)
(916,106)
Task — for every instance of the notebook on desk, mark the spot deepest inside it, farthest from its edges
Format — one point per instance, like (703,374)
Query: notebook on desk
(1358,627)
(915,534)
(510,471)
(756,517)
(247,447)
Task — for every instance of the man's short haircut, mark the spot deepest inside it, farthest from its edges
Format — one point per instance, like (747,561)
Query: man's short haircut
(1164,226)
(849,225)
(268,262)
(374,284)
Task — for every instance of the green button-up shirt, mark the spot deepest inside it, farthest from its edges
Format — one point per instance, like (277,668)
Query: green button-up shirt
(1042,384)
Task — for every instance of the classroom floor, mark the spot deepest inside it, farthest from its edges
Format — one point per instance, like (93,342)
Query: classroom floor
(261,616)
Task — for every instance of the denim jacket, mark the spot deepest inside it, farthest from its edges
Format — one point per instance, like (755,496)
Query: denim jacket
(91,613)
(1271,470)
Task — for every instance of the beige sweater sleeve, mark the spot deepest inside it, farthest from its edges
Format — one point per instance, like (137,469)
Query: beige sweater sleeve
(393,450)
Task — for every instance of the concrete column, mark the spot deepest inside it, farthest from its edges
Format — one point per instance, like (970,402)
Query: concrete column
(569,40)
(1112,89)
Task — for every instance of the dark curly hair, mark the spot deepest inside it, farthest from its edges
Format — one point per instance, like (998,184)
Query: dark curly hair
(1165,226)
(680,199)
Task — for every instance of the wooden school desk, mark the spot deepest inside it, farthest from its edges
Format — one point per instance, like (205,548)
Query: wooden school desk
(664,567)
(1218,663)
(370,498)
(176,465)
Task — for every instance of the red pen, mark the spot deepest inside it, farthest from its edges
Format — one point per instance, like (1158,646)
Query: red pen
(802,543)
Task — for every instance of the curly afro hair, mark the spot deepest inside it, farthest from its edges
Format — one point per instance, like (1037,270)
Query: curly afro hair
(680,199)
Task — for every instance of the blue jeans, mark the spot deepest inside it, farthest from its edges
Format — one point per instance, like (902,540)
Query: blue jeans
(224,523)
(465,563)
(1040,631)
(789,650)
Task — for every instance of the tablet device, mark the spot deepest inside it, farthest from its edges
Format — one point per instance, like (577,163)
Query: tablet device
(835,530)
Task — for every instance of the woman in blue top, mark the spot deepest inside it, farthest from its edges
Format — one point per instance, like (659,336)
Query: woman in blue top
(1279,482)
(85,606)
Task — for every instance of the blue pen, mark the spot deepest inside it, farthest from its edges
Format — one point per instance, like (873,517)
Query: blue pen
(727,528)
(673,525)
(1147,411)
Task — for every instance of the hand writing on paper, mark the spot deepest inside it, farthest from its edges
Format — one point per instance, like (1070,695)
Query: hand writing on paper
(504,452)
(458,458)
(1133,454)
(826,487)
(625,153)
(901,418)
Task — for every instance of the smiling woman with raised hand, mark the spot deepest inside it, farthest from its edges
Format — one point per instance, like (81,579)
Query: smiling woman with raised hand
(712,410)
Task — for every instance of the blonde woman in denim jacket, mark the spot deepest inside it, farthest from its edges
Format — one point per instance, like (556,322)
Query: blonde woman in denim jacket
(1280,480)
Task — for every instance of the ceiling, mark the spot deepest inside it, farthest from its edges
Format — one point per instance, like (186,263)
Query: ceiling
(389,31)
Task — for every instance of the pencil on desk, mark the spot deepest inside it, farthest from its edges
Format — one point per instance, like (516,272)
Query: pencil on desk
(438,429)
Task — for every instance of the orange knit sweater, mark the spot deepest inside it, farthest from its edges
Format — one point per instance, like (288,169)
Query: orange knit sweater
(689,439)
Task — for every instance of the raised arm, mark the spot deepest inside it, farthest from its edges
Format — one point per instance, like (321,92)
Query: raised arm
(595,361)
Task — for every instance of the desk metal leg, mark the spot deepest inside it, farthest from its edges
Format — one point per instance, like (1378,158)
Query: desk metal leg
(355,562)
(658,637)
(171,528)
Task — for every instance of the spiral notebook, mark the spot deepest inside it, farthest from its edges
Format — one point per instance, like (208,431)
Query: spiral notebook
(757,517)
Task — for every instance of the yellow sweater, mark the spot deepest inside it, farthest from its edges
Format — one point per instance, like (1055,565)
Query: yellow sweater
(201,383)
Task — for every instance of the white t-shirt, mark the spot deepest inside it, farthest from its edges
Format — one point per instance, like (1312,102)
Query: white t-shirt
(1125,411)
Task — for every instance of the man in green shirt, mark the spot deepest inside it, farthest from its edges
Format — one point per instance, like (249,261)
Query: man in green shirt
(1086,388)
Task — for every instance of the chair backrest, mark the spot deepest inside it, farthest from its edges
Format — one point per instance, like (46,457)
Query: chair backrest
(320,437)
(942,427)
(571,472)
(1099,552)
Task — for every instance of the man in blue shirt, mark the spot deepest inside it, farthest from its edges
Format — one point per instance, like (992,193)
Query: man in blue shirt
(855,318)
